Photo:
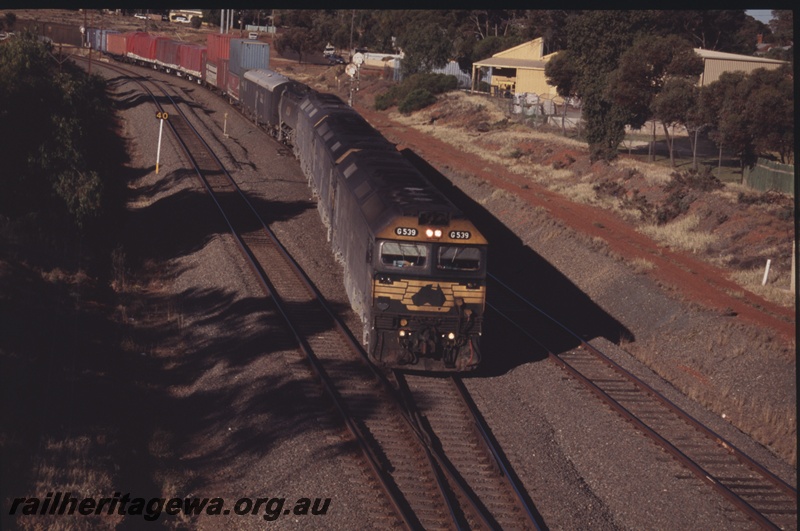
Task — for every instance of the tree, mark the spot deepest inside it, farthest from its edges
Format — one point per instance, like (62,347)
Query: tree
(782,26)
(426,46)
(596,40)
(724,30)
(752,114)
(673,105)
(769,110)
(644,70)
(49,120)
(300,40)
(550,25)
(560,70)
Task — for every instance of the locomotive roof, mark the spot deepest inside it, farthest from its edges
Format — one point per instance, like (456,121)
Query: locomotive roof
(385,184)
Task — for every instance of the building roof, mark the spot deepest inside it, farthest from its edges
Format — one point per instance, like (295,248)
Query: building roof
(712,54)
(502,62)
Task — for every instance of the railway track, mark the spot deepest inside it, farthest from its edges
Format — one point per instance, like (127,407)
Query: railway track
(752,489)
(423,483)
(473,462)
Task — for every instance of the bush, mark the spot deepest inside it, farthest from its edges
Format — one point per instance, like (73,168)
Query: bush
(431,83)
(416,100)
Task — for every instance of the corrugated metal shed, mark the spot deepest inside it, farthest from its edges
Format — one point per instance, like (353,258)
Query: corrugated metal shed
(718,62)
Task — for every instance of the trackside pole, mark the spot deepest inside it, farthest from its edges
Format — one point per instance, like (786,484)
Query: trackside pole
(161,117)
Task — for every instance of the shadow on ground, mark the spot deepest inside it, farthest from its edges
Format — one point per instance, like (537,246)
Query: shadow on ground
(532,276)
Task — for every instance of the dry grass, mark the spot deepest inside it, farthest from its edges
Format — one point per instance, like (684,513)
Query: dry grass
(652,173)
(776,290)
(641,265)
(681,234)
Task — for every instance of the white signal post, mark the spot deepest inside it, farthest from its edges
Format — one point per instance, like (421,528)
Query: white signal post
(162,117)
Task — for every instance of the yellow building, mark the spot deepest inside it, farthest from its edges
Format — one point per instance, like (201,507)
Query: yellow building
(521,69)
(516,70)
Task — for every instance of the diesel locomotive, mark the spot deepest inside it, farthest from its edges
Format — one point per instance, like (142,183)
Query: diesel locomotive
(414,266)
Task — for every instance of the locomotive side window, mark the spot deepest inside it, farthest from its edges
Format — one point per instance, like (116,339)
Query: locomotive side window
(404,254)
(458,258)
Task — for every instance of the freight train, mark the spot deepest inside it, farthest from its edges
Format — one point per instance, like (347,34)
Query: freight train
(414,265)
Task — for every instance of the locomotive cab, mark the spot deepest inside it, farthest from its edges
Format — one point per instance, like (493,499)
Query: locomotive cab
(428,295)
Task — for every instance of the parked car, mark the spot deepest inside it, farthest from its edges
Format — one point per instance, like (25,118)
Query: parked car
(334,59)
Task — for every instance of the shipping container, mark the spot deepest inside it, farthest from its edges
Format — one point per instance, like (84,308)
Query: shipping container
(93,39)
(104,39)
(191,58)
(116,43)
(141,45)
(233,85)
(167,53)
(217,74)
(54,32)
(248,55)
(219,46)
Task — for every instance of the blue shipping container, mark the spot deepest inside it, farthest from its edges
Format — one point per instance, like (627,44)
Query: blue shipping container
(248,55)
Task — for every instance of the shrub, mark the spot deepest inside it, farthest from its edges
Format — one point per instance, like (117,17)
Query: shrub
(431,83)
(416,100)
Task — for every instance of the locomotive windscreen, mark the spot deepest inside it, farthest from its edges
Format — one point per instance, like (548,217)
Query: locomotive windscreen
(458,258)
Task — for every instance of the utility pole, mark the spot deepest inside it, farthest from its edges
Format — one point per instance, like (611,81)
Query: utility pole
(352,25)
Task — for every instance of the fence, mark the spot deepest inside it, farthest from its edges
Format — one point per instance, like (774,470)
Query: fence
(769,175)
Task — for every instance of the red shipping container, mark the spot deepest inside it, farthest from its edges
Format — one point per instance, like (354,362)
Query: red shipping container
(217,74)
(167,52)
(219,46)
(115,44)
(233,85)
(142,45)
(191,58)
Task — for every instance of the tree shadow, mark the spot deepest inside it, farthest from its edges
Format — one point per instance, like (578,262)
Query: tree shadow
(166,387)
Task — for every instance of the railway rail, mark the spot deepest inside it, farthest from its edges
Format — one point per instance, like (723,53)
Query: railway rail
(755,491)
(418,475)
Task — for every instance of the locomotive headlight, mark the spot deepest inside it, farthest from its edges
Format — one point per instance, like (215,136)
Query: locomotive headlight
(402,333)
(451,336)
(429,233)
(437,233)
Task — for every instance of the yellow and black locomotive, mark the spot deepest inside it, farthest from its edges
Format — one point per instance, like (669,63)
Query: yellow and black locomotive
(414,266)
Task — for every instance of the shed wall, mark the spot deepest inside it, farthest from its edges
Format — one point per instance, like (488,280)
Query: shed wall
(715,67)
